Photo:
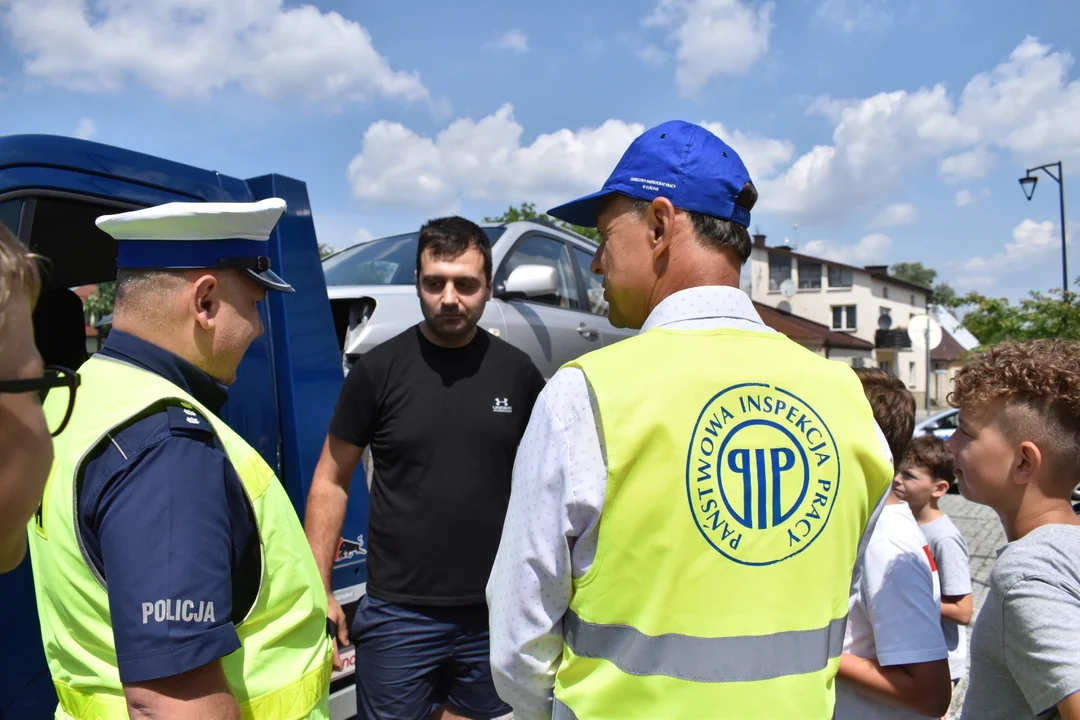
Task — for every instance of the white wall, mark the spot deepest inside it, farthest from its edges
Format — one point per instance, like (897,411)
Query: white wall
(867,293)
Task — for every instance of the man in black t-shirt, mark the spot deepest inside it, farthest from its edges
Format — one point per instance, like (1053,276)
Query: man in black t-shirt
(442,407)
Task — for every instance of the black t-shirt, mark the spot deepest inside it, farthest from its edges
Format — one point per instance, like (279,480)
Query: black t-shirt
(443,426)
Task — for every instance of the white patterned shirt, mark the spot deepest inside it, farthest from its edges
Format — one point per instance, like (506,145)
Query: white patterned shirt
(553,521)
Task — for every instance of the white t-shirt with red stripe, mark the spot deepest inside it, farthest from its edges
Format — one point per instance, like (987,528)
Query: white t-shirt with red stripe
(894,611)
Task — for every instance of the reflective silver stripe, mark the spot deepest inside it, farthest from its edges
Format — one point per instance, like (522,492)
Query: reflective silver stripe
(559,711)
(725,659)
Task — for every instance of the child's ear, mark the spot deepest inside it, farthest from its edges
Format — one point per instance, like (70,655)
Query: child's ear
(941,487)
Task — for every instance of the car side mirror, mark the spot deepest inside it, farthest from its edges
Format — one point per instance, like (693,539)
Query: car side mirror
(530,281)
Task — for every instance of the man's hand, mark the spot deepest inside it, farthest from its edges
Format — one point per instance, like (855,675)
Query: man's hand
(337,616)
(1070,707)
(201,693)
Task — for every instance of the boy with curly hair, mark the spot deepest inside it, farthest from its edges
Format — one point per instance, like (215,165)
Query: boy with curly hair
(1017,451)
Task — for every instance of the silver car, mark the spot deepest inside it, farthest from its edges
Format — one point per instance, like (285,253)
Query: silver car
(544,300)
(943,424)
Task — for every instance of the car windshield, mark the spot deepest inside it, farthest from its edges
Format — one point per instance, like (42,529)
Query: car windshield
(386,261)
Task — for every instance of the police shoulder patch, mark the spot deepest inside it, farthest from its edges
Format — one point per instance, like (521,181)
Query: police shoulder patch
(185,420)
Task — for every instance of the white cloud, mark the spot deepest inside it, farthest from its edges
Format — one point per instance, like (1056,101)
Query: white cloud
(362,235)
(513,41)
(1025,105)
(186,49)
(593,46)
(970,165)
(875,142)
(762,156)
(870,250)
(965,197)
(853,15)
(653,56)
(896,216)
(1031,241)
(484,160)
(713,37)
(85,129)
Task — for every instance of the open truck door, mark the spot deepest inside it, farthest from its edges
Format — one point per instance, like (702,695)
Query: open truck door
(51,191)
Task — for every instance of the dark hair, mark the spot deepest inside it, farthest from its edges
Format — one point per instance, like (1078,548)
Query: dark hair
(449,237)
(894,409)
(717,233)
(928,452)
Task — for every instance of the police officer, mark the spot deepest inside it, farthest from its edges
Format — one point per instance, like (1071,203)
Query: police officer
(172,575)
(687,503)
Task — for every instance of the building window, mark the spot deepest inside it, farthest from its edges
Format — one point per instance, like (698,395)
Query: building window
(840,277)
(809,275)
(843,317)
(913,301)
(779,270)
(911,372)
(885,292)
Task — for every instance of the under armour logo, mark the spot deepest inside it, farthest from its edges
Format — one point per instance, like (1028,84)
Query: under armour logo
(502,405)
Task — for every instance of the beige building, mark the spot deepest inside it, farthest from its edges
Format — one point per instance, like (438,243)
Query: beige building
(864,302)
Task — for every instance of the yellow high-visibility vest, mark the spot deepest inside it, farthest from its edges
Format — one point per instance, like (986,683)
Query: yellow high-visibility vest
(282,669)
(742,472)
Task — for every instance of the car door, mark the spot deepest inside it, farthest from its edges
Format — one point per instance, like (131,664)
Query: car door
(552,329)
(593,288)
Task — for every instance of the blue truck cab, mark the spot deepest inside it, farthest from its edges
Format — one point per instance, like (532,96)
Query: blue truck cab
(51,191)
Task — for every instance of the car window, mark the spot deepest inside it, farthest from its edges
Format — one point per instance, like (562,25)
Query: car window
(950,422)
(594,285)
(386,261)
(540,250)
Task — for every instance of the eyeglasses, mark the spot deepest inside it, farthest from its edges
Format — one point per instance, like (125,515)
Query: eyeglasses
(58,384)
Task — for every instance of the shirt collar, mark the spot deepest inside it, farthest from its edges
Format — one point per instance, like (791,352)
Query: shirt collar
(136,351)
(699,303)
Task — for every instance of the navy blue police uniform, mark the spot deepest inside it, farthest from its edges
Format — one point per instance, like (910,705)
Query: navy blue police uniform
(162,514)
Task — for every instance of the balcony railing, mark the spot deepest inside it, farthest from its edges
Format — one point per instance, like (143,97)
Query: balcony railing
(895,339)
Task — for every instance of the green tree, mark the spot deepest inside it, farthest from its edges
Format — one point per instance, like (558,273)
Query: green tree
(100,303)
(916,272)
(1039,315)
(325,250)
(527,211)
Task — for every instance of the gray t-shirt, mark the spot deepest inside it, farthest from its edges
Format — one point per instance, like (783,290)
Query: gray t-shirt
(1025,648)
(950,553)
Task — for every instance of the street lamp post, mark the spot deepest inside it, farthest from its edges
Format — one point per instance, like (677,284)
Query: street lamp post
(1028,183)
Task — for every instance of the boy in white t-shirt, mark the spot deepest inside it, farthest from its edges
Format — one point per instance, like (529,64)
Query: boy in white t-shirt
(924,478)
(894,665)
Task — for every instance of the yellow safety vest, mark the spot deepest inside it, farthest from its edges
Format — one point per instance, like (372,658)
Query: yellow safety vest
(282,669)
(742,471)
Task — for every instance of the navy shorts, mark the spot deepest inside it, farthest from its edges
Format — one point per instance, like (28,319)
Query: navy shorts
(410,660)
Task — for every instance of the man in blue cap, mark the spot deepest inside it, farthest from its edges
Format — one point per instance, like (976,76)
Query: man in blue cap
(172,575)
(680,538)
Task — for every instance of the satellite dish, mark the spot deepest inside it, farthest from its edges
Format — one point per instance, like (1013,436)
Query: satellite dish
(917,330)
(787,288)
(884,321)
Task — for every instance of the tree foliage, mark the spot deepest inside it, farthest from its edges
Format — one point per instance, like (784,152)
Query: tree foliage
(100,303)
(1039,315)
(325,250)
(919,274)
(527,211)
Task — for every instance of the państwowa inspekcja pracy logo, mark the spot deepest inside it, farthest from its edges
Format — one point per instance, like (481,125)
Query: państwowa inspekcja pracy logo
(762,474)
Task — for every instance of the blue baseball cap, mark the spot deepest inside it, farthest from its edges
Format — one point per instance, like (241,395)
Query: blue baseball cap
(680,161)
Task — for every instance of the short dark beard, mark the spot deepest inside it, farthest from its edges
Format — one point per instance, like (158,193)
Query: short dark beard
(452,339)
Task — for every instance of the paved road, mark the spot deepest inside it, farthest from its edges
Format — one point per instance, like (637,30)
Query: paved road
(984,536)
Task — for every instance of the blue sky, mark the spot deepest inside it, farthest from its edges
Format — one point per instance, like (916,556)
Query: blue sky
(886,131)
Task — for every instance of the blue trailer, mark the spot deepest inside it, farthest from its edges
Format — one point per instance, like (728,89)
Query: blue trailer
(51,190)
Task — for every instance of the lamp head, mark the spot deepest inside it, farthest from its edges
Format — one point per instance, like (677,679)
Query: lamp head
(1028,183)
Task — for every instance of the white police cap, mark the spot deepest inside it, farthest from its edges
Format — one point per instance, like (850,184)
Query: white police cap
(199,235)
